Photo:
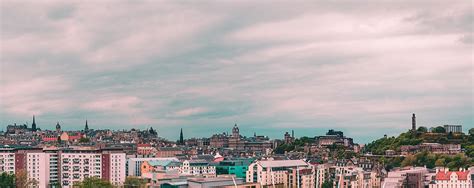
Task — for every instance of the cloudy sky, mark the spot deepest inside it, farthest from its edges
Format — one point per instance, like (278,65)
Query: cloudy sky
(270,67)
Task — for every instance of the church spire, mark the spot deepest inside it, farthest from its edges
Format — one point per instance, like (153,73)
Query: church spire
(86,128)
(181,137)
(33,125)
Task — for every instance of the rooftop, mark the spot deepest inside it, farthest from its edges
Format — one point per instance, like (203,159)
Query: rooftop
(282,163)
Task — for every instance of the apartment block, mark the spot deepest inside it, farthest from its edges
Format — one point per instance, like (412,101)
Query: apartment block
(65,166)
(288,173)
(7,161)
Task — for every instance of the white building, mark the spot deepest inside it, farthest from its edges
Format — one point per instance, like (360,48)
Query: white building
(83,162)
(198,168)
(7,161)
(117,163)
(289,173)
(79,164)
(65,166)
(354,177)
(42,167)
(447,179)
(320,174)
(37,168)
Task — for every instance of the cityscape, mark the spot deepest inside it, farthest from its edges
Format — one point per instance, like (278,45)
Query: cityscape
(236,94)
(440,156)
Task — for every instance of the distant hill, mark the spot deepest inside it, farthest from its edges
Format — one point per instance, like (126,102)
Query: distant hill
(379,146)
(438,135)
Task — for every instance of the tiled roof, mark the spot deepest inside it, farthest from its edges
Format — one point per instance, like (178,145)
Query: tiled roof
(462,175)
(442,175)
(143,145)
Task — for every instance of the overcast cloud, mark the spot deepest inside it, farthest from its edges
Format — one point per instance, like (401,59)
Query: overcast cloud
(358,66)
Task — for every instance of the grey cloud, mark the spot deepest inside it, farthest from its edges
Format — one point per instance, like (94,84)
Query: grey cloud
(307,66)
(61,12)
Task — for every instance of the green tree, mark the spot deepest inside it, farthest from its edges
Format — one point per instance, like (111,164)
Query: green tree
(327,184)
(55,185)
(438,129)
(133,181)
(84,140)
(409,160)
(422,129)
(93,182)
(441,162)
(22,181)
(7,180)
(471,131)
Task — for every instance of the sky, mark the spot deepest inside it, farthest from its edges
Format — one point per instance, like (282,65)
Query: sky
(362,67)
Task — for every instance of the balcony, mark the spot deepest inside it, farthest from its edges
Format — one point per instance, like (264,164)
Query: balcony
(76,176)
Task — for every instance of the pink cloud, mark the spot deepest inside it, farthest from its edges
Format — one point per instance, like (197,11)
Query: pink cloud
(35,96)
(114,104)
(189,112)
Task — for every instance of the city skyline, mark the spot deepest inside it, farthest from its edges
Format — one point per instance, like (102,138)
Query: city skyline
(246,133)
(362,68)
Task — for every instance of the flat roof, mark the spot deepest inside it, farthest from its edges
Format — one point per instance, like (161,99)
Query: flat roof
(217,179)
(282,163)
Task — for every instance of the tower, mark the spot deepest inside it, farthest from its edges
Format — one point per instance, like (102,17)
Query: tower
(235,132)
(287,138)
(33,125)
(58,127)
(413,122)
(234,140)
(181,138)
(86,128)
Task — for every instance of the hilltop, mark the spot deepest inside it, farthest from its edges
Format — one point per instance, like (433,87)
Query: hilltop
(437,135)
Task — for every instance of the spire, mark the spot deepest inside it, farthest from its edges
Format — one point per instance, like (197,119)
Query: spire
(181,138)
(86,128)
(413,122)
(33,125)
